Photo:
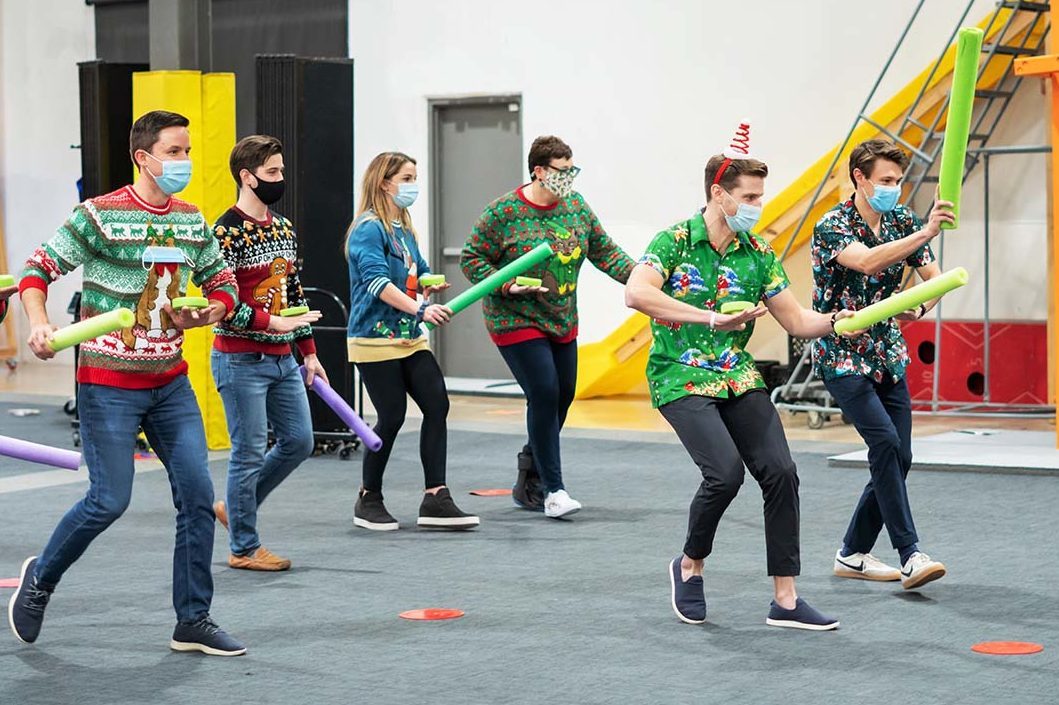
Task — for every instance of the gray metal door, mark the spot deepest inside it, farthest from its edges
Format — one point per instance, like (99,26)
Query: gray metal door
(475,156)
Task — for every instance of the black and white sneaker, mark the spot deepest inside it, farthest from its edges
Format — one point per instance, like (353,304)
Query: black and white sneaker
(370,513)
(527,493)
(205,636)
(439,511)
(25,611)
(919,570)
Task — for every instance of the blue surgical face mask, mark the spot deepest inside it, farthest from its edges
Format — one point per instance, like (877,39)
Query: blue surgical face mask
(885,198)
(176,173)
(406,195)
(746,216)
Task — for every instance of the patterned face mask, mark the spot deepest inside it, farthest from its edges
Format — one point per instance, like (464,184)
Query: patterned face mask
(561,181)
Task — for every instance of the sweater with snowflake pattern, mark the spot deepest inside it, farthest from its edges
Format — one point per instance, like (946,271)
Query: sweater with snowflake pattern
(263,256)
(126,246)
(511,226)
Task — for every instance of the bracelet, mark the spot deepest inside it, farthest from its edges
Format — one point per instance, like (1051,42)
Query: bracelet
(713,319)
(834,318)
(922,310)
(421,311)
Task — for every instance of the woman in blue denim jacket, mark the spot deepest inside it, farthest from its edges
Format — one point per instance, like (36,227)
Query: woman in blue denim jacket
(388,346)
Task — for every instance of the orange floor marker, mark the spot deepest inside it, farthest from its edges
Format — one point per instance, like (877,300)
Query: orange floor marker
(1007,648)
(431,614)
(491,493)
(8,582)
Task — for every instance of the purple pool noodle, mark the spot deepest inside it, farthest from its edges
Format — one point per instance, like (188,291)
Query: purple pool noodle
(334,400)
(37,453)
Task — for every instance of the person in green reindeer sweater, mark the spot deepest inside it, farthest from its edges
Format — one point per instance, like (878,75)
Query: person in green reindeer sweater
(535,327)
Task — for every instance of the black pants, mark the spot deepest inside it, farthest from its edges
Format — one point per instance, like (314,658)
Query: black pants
(722,434)
(547,373)
(389,384)
(882,413)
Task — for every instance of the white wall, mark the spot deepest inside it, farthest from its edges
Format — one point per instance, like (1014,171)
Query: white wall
(644,92)
(40,45)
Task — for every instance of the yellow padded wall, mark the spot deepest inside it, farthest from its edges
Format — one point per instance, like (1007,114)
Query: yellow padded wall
(208,101)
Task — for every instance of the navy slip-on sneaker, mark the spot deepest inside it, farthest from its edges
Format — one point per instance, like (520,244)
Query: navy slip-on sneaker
(25,611)
(688,598)
(205,636)
(803,616)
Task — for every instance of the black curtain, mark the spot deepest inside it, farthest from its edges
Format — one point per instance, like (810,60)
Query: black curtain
(241,29)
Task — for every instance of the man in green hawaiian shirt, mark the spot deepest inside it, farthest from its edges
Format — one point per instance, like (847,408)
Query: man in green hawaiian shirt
(859,253)
(706,385)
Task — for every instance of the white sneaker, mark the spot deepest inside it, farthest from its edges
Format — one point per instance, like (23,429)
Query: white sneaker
(919,570)
(559,504)
(864,566)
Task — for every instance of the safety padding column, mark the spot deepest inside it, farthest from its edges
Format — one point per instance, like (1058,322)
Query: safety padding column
(208,101)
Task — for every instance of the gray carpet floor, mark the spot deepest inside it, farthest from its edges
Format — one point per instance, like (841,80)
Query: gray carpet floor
(556,611)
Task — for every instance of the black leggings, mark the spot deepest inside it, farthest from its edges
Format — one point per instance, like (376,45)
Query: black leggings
(389,384)
(547,373)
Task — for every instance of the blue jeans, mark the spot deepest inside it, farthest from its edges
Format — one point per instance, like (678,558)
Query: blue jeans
(547,373)
(882,413)
(111,418)
(257,390)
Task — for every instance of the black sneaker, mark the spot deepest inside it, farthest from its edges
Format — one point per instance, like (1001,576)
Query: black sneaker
(687,597)
(25,611)
(205,636)
(370,513)
(439,511)
(527,492)
(803,616)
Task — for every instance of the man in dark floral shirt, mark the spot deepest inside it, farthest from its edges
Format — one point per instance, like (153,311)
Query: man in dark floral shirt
(859,252)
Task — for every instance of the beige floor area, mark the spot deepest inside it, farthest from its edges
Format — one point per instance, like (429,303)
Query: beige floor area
(630,413)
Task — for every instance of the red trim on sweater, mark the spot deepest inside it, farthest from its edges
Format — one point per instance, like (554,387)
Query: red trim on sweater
(124,380)
(157,210)
(230,344)
(222,297)
(261,319)
(244,216)
(531,204)
(306,346)
(513,337)
(31,282)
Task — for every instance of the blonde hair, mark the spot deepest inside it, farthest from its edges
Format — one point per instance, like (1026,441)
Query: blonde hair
(372,204)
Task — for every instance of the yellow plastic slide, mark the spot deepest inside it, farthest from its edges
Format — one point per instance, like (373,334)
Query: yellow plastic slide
(616,364)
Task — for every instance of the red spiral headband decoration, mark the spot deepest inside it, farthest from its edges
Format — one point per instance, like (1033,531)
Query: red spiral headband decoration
(739,148)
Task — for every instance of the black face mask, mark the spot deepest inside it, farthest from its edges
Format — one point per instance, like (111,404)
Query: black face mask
(268,192)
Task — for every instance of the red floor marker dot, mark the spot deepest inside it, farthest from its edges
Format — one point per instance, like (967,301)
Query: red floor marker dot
(8,582)
(491,493)
(1007,648)
(431,614)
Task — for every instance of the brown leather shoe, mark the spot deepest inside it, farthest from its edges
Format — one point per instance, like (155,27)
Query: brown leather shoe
(261,559)
(221,512)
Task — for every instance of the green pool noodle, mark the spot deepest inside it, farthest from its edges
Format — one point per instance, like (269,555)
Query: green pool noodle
(496,280)
(432,280)
(189,302)
(294,311)
(91,328)
(6,280)
(736,307)
(527,281)
(958,124)
(903,301)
